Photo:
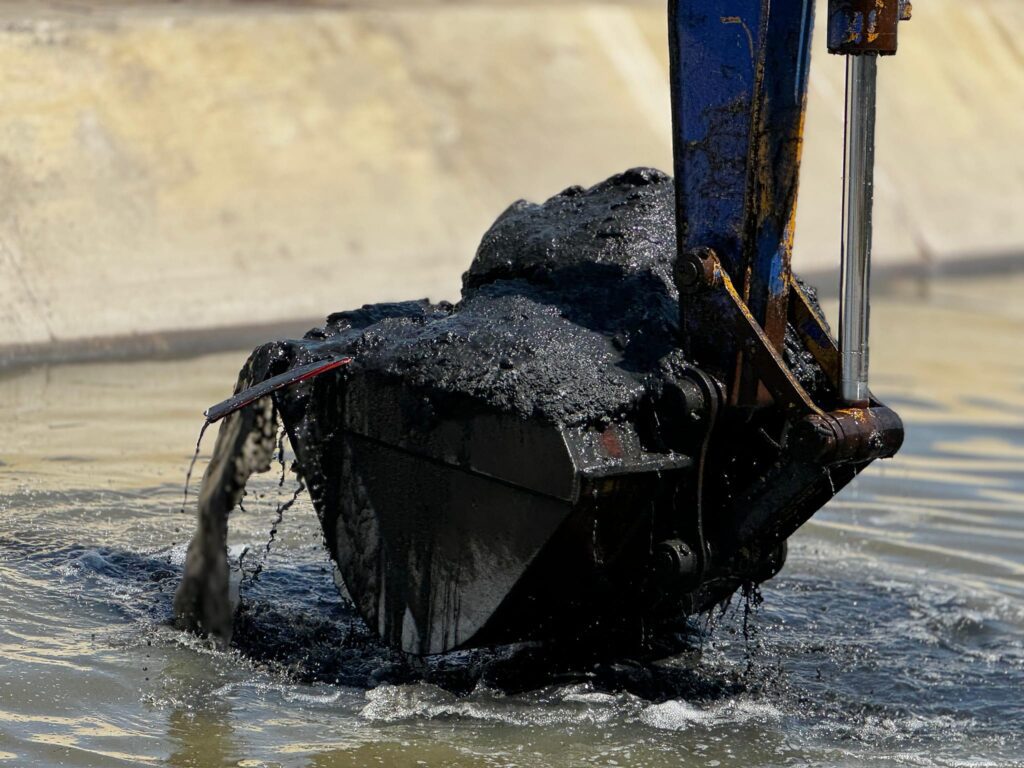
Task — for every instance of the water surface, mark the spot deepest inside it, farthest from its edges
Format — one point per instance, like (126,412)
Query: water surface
(895,635)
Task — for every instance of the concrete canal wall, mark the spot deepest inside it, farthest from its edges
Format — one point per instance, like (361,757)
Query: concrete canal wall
(177,176)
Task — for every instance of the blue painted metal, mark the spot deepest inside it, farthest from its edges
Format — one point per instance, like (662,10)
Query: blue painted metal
(739,83)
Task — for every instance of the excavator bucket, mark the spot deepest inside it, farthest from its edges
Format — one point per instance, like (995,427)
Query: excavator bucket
(629,411)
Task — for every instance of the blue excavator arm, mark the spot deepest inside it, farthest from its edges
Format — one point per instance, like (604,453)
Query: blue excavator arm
(739,85)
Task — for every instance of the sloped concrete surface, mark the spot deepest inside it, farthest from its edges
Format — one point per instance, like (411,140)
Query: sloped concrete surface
(175,175)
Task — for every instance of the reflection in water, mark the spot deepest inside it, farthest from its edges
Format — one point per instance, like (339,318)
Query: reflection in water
(895,634)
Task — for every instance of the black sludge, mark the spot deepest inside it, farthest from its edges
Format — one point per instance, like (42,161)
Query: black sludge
(496,471)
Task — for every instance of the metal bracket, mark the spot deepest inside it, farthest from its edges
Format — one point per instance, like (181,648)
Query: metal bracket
(846,435)
(679,563)
(712,396)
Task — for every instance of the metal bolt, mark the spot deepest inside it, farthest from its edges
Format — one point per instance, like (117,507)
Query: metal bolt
(674,561)
(689,274)
(695,269)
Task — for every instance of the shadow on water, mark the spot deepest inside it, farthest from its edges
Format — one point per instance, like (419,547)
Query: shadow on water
(902,634)
(292,620)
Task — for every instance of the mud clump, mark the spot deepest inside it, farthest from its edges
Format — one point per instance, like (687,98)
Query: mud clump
(569,312)
(566,311)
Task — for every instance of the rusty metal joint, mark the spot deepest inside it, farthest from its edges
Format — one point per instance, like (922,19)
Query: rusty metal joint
(847,436)
(865,27)
(697,270)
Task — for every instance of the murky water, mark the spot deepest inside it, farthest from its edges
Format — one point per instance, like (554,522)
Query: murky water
(894,636)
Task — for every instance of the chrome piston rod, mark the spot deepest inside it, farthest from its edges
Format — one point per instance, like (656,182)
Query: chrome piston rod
(858,195)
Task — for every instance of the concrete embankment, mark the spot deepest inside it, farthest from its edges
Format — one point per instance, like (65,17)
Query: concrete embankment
(178,176)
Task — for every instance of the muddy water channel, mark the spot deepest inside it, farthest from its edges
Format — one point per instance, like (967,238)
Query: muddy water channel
(894,636)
